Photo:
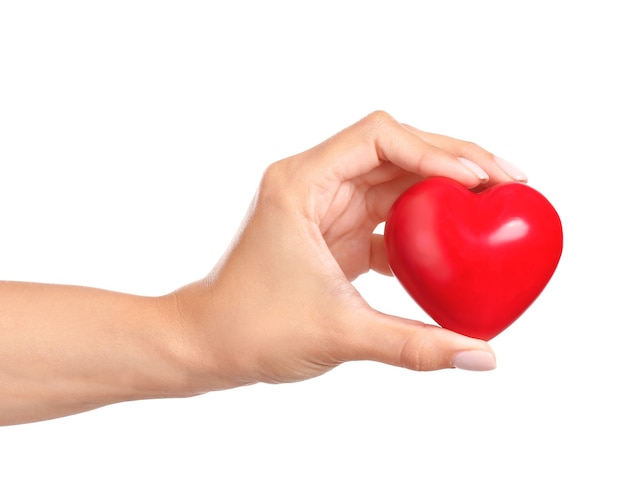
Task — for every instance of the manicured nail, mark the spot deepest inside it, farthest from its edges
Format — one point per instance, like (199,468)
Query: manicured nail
(475,361)
(475,168)
(513,171)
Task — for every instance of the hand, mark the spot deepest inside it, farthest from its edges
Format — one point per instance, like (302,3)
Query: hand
(280,306)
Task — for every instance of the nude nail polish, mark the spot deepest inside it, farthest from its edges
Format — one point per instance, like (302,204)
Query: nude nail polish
(475,168)
(474,361)
(512,171)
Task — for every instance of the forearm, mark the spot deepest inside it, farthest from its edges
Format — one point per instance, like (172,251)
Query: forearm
(68,349)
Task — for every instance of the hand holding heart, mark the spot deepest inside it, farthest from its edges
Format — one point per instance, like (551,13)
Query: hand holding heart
(280,306)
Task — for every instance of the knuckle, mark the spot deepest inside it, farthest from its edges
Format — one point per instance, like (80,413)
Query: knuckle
(273,175)
(378,118)
(273,182)
(380,115)
(410,356)
(472,150)
(471,146)
(417,353)
(374,124)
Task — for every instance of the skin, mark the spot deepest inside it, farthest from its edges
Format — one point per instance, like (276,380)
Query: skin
(278,307)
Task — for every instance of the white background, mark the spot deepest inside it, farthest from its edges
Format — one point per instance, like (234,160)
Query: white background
(132,137)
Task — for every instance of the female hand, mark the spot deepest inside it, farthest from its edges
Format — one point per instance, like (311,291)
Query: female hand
(280,306)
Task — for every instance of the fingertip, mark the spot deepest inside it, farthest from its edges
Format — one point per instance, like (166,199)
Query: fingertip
(416,345)
(474,360)
(476,170)
(511,170)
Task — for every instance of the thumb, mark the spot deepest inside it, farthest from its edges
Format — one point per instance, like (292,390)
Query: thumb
(416,345)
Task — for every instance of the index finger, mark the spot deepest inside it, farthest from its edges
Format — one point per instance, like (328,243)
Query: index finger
(379,138)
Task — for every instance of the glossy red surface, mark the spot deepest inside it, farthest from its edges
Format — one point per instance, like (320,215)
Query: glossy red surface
(474,262)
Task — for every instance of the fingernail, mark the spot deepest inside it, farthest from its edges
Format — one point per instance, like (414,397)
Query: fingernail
(513,171)
(475,168)
(474,361)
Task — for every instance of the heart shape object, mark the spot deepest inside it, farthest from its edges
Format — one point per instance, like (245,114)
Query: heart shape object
(474,262)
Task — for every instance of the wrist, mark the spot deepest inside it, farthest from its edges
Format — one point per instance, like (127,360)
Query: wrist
(210,350)
(192,348)
(179,346)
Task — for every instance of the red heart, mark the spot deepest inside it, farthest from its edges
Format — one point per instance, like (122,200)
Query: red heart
(473,262)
